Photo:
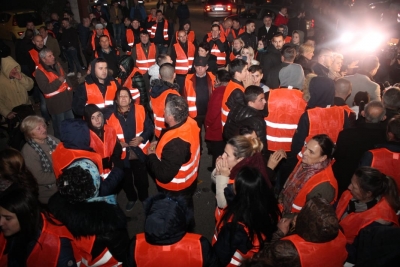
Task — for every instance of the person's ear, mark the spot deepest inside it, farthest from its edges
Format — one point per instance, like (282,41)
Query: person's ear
(206,67)
(384,118)
(324,157)
(363,113)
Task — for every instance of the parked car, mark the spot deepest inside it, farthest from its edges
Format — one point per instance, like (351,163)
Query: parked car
(13,22)
(218,8)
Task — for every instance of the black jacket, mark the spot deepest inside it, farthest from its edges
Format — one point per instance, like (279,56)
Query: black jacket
(320,70)
(272,80)
(263,34)
(236,97)
(249,39)
(271,59)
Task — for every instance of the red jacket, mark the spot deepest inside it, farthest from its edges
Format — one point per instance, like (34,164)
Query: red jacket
(212,122)
(281,20)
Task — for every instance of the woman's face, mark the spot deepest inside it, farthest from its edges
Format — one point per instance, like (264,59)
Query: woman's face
(356,191)
(237,45)
(8,222)
(337,64)
(312,153)
(260,45)
(202,52)
(246,52)
(124,99)
(39,132)
(97,119)
(230,157)
(296,38)
(309,54)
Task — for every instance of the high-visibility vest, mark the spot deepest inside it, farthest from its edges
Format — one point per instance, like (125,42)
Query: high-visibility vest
(238,256)
(140,117)
(184,62)
(190,91)
(285,107)
(46,249)
(187,174)
(63,157)
(191,36)
(93,42)
(328,254)
(94,96)
(135,93)
(221,56)
(326,175)
(105,258)
(232,56)
(142,62)
(231,31)
(35,57)
(188,248)
(104,148)
(154,29)
(228,90)
(158,105)
(355,221)
(130,37)
(51,77)
(387,162)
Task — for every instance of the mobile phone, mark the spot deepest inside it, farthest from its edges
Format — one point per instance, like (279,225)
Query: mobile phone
(244,58)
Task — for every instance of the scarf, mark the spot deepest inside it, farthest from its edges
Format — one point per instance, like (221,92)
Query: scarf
(47,166)
(297,179)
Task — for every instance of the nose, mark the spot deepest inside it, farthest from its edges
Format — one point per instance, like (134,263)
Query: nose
(350,187)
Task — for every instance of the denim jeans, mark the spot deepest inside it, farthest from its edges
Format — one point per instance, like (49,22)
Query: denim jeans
(72,57)
(43,107)
(58,118)
(117,33)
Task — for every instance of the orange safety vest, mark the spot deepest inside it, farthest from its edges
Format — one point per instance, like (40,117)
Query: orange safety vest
(228,90)
(51,76)
(326,175)
(94,96)
(105,258)
(184,62)
(188,248)
(288,39)
(105,32)
(128,84)
(104,149)
(154,29)
(221,56)
(140,117)
(47,248)
(158,105)
(387,162)
(62,157)
(285,107)
(231,31)
(143,62)
(190,91)
(232,56)
(187,175)
(35,57)
(328,254)
(191,37)
(355,221)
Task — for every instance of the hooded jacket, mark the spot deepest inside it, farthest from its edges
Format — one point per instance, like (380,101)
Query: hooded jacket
(13,92)
(80,94)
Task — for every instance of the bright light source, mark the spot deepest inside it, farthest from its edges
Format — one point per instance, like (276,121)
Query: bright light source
(370,42)
(346,37)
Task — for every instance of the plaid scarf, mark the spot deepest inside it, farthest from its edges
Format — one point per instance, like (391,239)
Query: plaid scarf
(44,160)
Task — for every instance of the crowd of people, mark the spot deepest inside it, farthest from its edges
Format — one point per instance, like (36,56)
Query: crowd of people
(305,149)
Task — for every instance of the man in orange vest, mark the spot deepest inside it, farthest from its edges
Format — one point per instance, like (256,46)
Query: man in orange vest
(109,53)
(159,34)
(99,88)
(342,92)
(219,45)
(94,40)
(174,159)
(132,35)
(160,90)
(234,31)
(52,81)
(182,53)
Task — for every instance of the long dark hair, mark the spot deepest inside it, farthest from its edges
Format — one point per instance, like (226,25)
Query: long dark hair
(254,205)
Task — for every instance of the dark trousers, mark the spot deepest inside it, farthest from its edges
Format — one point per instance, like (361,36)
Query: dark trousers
(200,122)
(215,149)
(139,180)
(180,80)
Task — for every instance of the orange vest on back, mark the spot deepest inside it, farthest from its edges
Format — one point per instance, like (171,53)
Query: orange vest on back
(354,222)
(185,252)
(94,96)
(51,76)
(46,251)
(158,105)
(387,162)
(328,121)
(187,174)
(142,62)
(105,32)
(128,84)
(326,175)
(285,107)
(191,37)
(190,92)
(184,62)
(104,259)
(227,93)
(35,57)
(328,254)
(62,157)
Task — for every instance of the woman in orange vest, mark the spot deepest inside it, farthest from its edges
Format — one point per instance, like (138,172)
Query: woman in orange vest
(312,176)
(237,46)
(371,199)
(29,237)
(249,219)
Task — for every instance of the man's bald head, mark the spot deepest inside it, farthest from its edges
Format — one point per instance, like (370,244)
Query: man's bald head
(342,88)
(167,72)
(374,112)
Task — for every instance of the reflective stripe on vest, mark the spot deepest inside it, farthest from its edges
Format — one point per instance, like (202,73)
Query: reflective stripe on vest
(165,30)
(105,258)
(104,148)
(94,96)
(184,62)
(142,62)
(51,77)
(387,162)
(230,87)
(35,57)
(105,32)
(190,91)
(130,37)
(135,93)
(285,107)
(187,174)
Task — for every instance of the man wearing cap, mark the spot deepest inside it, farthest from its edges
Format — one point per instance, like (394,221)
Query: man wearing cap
(182,54)
(198,89)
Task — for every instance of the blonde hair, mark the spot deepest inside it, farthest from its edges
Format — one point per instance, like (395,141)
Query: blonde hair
(251,51)
(305,48)
(239,40)
(245,147)
(29,124)
(306,91)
